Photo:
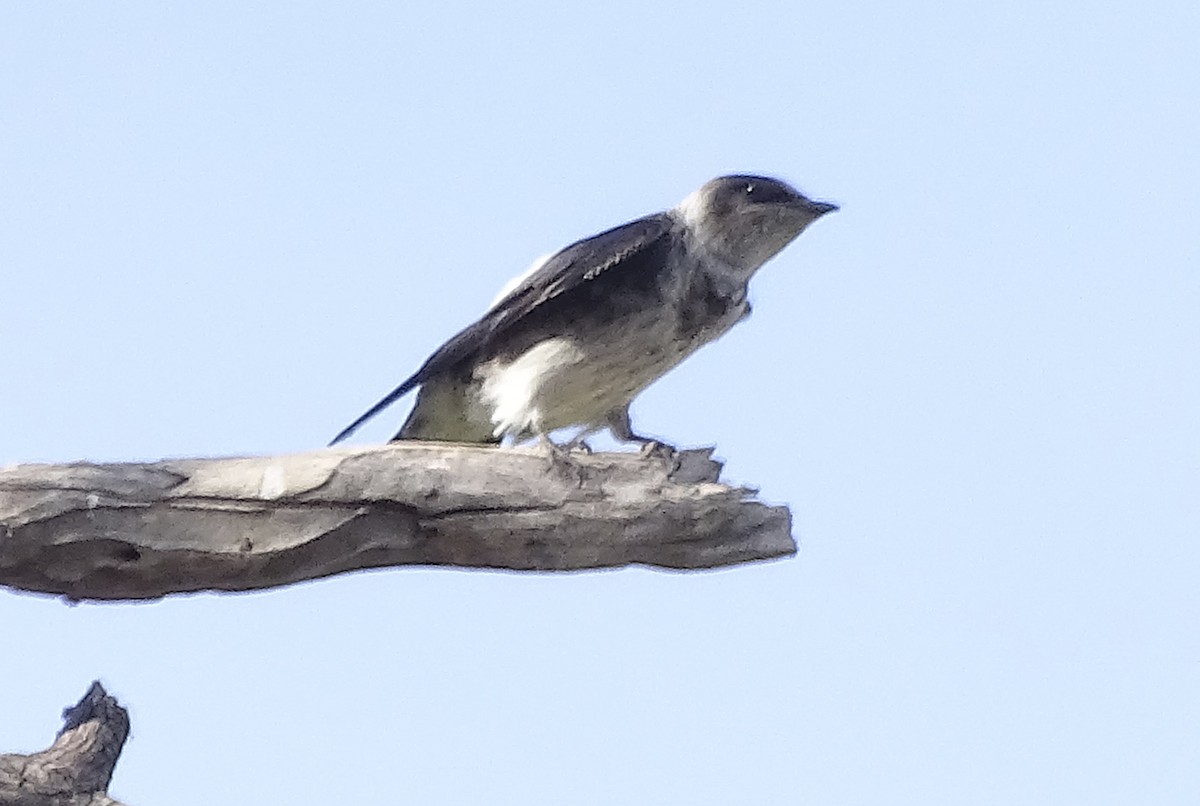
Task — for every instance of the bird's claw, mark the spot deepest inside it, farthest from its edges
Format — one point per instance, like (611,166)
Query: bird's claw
(561,461)
(578,445)
(653,449)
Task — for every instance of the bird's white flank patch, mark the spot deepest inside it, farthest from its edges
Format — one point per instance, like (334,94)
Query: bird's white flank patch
(512,391)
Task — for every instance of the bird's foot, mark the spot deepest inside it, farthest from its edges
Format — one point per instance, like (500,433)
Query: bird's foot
(653,449)
(618,422)
(561,461)
(580,445)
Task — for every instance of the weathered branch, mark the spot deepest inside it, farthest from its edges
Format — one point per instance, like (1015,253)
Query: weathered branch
(140,531)
(76,769)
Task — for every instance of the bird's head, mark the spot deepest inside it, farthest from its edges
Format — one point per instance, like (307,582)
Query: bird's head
(746,220)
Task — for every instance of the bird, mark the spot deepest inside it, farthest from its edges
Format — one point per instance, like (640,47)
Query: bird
(572,341)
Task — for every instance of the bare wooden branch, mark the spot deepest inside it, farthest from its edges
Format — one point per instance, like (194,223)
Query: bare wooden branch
(76,769)
(140,531)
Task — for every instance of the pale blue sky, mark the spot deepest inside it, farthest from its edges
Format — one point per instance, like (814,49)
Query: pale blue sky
(228,229)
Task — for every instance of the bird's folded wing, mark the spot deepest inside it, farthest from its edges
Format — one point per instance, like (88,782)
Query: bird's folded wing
(600,257)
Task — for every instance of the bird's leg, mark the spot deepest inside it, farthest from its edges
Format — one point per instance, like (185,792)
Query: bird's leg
(552,448)
(618,422)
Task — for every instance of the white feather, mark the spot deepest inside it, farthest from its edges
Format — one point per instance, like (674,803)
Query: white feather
(512,390)
(692,209)
(515,282)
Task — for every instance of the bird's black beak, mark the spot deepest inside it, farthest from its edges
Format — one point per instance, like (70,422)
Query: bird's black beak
(821,208)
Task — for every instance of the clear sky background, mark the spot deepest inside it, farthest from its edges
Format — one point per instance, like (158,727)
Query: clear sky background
(228,228)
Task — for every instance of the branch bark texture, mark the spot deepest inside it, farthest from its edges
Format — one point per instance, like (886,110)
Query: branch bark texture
(76,769)
(140,531)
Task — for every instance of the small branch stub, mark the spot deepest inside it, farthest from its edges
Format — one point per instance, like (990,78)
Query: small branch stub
(141,531)
(76,769)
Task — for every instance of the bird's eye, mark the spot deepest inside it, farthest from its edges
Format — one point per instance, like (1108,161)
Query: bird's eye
(749,190)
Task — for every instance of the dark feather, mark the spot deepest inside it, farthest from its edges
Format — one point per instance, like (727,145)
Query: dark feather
(580,263)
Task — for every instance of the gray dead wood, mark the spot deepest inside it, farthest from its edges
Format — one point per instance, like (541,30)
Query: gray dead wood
(140,531)
(76,769)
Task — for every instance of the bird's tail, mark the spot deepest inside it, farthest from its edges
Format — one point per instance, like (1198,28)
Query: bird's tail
(391,397)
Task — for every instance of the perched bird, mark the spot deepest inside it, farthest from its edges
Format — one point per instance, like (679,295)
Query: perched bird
(578,336)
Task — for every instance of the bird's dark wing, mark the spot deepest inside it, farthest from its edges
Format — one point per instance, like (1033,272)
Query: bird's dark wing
(640,245)
(618,250)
